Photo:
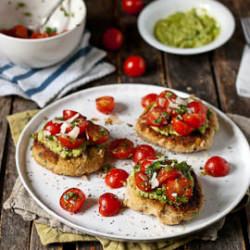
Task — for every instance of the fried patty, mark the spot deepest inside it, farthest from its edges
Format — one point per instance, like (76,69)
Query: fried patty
(180,144)
(167,214)
(90,161)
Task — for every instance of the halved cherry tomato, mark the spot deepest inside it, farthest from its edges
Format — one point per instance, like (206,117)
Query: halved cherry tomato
(165,175)
(82,124)
(67,114)
(109,204)
(157,117)
(194,120)
(96,133)
(70,143)
(53,127)
(112,39)
(197,107)
(116,178)
(134,66)
(142,181)
(121,148)
(21,31)
(132,7)
(148,100)
(217,166)
(144,164)
(164,98)
(72,200)
(143,152)
(179,187)
(105,104)
(181,127)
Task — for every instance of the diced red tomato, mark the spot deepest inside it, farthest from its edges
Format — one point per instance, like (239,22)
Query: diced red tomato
(53,127)
(72,200)
(157,117)
(194,120)
(21,31)
(97,134)
(165,175)
(181,127)
(121,148)
(148,100)
(116,178)
(142,181)
(109,204)
(105,104)
(70,143)
(164,99)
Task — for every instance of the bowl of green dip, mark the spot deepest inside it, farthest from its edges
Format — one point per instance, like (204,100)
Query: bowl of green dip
(186,27)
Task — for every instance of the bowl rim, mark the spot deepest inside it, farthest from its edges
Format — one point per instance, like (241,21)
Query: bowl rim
(60,35)
(151,40)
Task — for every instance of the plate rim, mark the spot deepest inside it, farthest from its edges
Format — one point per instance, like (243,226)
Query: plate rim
(182,51)
(107,235)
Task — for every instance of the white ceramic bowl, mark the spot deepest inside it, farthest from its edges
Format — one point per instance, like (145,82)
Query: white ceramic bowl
(162,8)
(39,53)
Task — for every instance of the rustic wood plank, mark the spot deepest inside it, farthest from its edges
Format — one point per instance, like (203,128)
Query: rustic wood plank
(14,231)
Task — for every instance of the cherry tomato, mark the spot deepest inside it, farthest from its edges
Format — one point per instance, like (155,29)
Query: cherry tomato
(112,39)
(148,100)
(157,117)
(197,107)
(53,127)
(179,187)
(144,164)
(217,166)
(109,204)
(82,124)
(21,31)
(67,114)
(72,200)
(105,104)
(164,98)
(132,7)
(142,181)
(134,66)
(70,143)
(194,120)
(165,175)
(143,152)
(181,127)
(116,178)
(121,148)
(97,134)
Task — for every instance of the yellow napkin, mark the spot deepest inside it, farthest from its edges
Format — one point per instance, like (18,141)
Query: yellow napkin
(50,234)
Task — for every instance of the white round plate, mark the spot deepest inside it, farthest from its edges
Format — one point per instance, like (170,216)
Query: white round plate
(162,8)
(221,194)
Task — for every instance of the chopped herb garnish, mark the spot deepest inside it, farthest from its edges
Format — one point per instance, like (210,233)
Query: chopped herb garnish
(50,30)
(20,5)
(182,109)
(28,14)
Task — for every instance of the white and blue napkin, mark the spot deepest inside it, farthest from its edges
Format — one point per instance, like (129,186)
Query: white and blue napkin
(44,85)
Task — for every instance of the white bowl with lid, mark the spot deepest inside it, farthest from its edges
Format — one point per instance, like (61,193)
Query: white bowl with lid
(69,21)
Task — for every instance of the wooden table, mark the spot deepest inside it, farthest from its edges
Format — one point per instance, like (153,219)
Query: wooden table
(210,76)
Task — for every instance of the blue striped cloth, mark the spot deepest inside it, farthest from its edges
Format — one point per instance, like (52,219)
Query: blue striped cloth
(44,85)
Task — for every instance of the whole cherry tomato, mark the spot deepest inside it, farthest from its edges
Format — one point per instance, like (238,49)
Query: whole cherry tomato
(143,152)
(217,166)
(165,175)
(70,143)
(72,200)
(132,7)
(53,127)
(105,104)
(109,204)
(179,187)
(121,148)
(148,100)
(157,117)
(134,66)
(116,178)
(142,181)
(96,133)
(112,39)
(181,127)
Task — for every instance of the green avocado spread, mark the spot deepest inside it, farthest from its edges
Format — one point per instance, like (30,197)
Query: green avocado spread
(190,29)
(53,145)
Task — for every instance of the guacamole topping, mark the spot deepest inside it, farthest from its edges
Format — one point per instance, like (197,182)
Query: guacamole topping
(190,29)
(52,144)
